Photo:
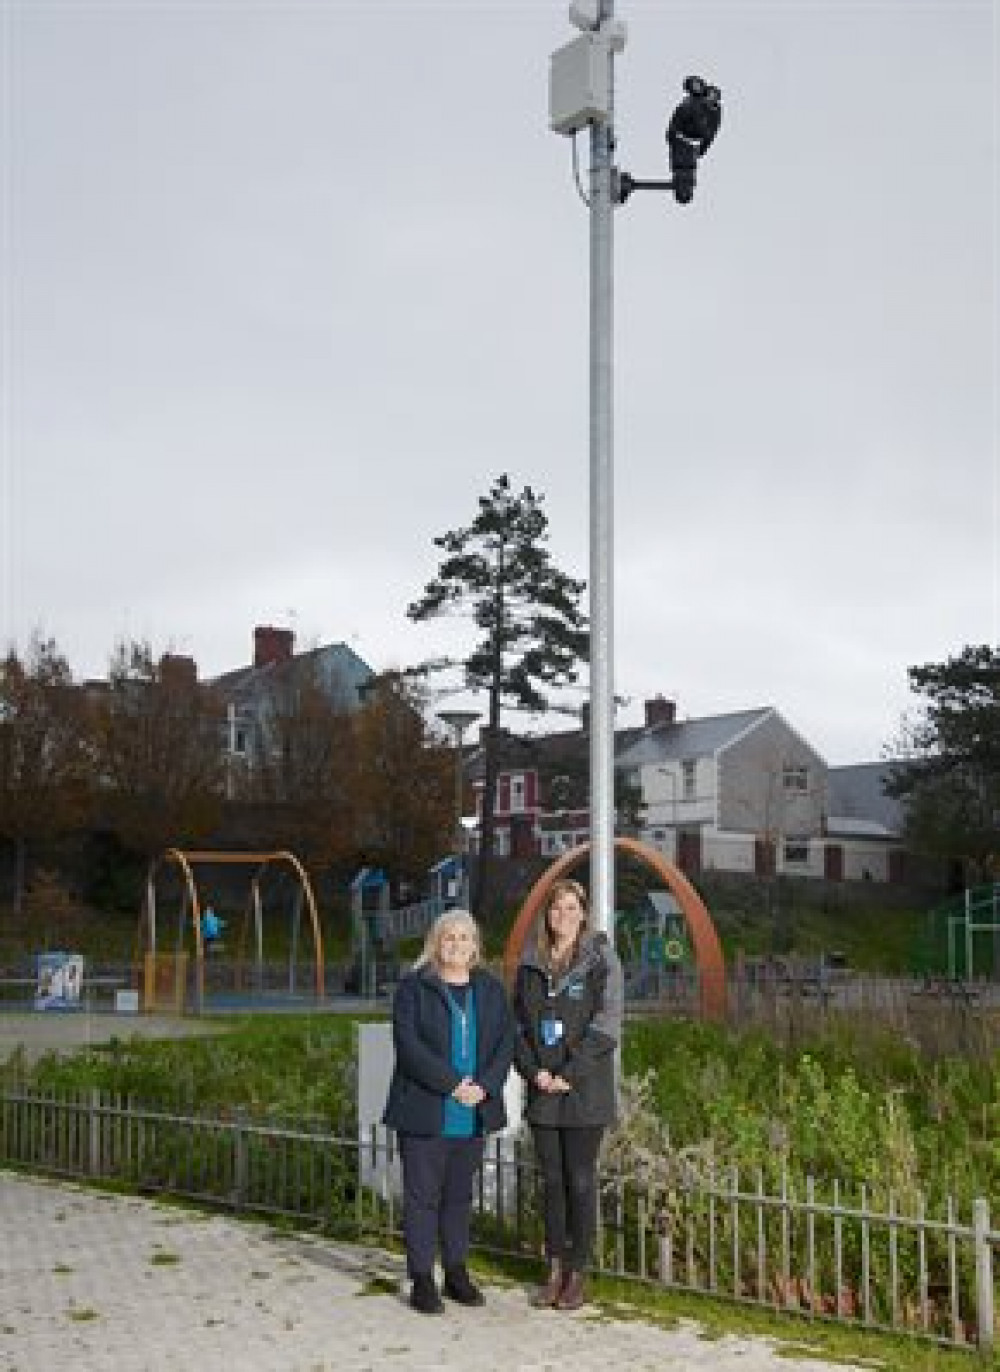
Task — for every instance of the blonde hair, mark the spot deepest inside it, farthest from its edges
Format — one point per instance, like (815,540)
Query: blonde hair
(432,943)
(561,888)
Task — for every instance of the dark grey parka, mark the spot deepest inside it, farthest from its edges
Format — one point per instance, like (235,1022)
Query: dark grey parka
(587,999)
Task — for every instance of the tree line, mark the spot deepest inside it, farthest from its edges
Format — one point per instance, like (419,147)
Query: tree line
(142,756)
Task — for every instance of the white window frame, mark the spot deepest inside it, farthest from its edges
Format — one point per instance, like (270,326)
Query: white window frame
(689,778)
(795,777)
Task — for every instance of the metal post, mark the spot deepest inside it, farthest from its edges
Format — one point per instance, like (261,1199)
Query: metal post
(984,1274)
(458,721)
(602,795)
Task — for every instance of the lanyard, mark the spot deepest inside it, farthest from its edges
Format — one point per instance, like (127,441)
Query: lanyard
(463,1018)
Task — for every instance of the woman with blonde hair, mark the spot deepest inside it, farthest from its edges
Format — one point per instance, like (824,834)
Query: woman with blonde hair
(454,1041)
(568,1006)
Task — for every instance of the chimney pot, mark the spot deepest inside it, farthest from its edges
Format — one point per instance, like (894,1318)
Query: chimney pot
(660,711)
(178,667)
(272,645)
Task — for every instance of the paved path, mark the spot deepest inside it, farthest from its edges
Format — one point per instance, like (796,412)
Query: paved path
(97,1282)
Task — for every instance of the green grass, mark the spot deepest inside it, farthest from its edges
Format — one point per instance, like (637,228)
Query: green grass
(874,936)
(280,1066)
(795,1336)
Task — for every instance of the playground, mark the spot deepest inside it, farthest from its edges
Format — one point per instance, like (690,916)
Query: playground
(230,932)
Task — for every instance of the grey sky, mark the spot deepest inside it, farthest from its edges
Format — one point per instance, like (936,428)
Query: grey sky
(285,286)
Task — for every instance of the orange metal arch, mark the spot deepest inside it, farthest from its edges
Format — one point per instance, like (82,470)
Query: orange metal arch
(187,860)
(707,948)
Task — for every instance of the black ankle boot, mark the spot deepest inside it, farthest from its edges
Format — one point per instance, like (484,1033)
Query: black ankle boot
(459,1286)
(424,1296)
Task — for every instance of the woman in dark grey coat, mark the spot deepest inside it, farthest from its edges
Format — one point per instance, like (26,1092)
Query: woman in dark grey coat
(568,1008)
(454,1040)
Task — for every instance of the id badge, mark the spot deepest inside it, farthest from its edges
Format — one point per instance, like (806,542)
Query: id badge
(552,1032)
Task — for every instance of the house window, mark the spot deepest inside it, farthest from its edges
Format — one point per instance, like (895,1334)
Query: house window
(501,843)
(240,742)
(796,852)
(687,778)
(516,794)
(795,778)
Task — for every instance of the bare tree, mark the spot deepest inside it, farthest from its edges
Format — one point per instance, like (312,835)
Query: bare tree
(158,749)
(405,786)
(43,757)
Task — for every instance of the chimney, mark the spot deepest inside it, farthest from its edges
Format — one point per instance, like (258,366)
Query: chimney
(179,669)
(659,711)
(272,645)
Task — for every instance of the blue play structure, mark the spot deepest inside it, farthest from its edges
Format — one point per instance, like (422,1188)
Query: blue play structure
(377,929)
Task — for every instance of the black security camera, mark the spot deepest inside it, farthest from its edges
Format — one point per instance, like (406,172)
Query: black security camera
(691,132)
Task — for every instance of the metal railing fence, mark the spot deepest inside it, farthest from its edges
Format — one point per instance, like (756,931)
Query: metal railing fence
(824,1253)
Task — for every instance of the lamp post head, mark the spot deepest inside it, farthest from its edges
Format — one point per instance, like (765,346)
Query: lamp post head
(458,720)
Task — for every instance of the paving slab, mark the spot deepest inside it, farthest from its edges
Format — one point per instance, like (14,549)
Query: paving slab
(109,1283)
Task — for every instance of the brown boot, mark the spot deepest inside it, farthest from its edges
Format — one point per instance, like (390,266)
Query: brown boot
(548,1293)
(571,1296)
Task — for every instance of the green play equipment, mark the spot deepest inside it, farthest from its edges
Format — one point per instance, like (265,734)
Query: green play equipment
(961,939)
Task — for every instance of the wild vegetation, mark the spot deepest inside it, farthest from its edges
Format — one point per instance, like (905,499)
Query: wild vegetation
(856,1104)
(853,1106)
(703,1106)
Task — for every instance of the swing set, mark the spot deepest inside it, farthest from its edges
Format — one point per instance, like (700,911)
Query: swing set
(166,974)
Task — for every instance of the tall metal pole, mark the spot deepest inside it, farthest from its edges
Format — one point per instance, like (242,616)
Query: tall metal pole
(602,721)
(458,721)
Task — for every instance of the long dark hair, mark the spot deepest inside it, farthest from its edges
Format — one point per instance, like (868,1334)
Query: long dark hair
(561,888)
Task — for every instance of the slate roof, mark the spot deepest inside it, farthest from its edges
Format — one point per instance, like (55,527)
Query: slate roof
(338,662)
(858,804)
(691,738)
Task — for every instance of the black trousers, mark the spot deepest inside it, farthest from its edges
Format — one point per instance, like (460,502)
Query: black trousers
(437,1198)
(568,1162)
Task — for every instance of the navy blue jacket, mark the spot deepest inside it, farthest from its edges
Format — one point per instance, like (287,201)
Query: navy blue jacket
(423,1075)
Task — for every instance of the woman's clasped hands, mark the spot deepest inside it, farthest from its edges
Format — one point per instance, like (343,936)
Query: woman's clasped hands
(468,1092)
(551,1083)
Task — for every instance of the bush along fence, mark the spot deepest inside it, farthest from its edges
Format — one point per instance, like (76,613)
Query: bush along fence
(833,1255)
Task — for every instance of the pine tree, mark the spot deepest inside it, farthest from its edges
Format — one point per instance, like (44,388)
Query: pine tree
(533,632)
(947,761)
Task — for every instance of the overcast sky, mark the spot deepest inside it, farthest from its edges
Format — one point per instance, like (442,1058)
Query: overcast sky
(287,285)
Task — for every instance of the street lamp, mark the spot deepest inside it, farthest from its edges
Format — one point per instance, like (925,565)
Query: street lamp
(581,95)
(458,721)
